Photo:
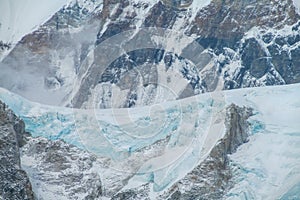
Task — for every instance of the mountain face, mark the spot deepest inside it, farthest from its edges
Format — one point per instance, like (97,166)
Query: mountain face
(134,100)
(103,54)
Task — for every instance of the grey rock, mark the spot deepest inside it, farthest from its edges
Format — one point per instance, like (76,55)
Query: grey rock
(4,45)
(161,16)
(49,168)
(57,169)
(142,193)
(14,182)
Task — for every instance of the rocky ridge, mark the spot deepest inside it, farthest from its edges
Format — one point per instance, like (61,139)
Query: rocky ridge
(14,181)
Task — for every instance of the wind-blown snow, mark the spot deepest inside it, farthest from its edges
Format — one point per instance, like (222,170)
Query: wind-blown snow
(267,167)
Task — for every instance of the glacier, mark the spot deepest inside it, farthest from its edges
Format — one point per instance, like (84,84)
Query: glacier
(161,143)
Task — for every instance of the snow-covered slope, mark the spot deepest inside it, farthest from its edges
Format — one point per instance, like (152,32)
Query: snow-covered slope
(19,18)
(270,161)
(161,143)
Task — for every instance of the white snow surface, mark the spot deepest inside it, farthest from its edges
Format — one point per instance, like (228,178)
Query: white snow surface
(19,18)
(297,5)
(267,167)
(269,164)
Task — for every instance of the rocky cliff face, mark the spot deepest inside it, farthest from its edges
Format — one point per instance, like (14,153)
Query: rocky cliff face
(246,43)
(59,170)
(14,182)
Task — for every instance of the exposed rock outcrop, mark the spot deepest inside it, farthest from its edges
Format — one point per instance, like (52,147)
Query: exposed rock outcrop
(52,169)
(59,170)
(14,182)
(141,192)
(64,49)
